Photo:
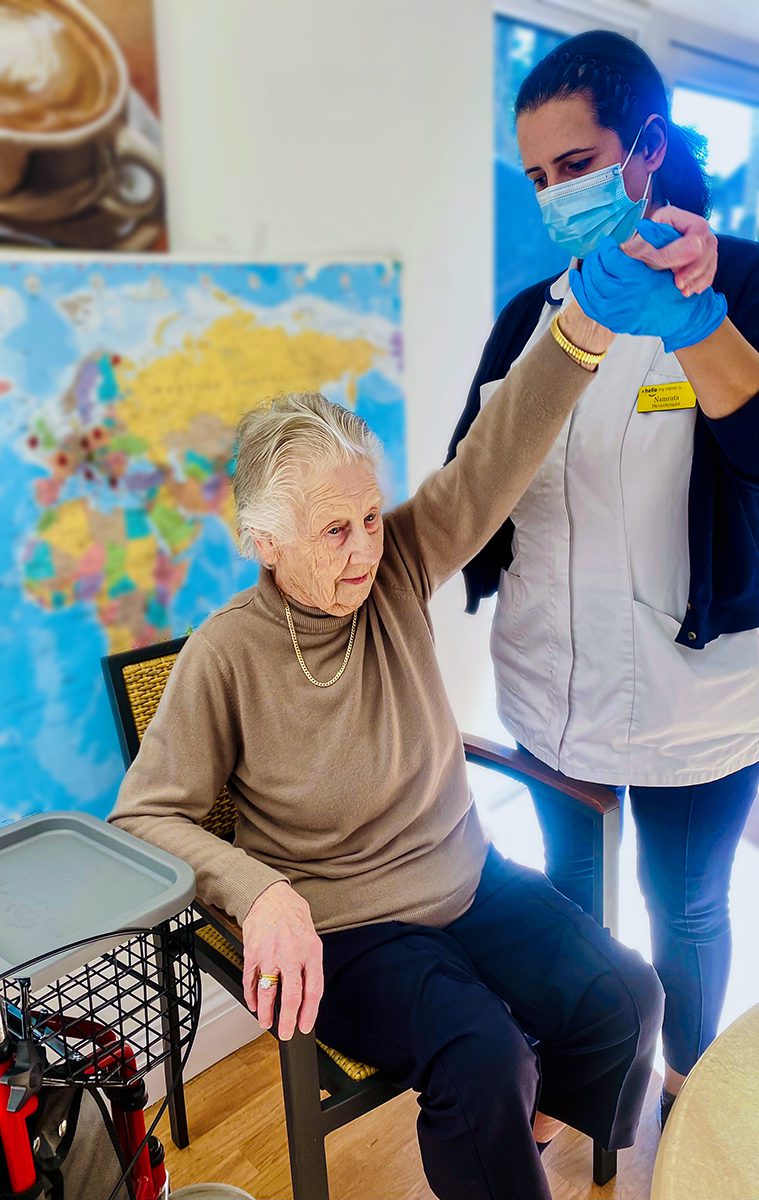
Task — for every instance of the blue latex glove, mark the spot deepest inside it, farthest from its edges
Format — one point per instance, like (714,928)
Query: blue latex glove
(626,296)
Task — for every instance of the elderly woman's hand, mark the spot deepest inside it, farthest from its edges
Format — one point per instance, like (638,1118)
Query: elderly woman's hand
(279,939)
(692,258)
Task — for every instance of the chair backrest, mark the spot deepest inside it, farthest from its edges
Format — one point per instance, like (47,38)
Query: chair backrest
(135,681)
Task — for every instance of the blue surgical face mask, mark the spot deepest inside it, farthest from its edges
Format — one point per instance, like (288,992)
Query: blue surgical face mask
(579,214)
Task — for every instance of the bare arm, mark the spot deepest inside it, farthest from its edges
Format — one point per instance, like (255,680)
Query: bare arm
(724,370)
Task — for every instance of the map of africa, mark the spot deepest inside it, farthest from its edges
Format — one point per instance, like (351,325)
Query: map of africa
(121,384)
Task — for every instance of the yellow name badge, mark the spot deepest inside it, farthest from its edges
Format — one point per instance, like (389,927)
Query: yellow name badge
(664,397)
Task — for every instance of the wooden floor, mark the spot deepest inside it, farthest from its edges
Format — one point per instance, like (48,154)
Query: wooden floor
(238,1137)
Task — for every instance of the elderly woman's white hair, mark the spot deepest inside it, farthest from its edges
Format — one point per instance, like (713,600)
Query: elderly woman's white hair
(273,446)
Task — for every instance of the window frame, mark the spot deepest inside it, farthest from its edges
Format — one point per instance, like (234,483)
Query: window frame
(573,16)
(692,54)
(689,53)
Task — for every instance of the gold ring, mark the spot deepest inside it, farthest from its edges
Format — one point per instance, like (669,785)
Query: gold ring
(268,981)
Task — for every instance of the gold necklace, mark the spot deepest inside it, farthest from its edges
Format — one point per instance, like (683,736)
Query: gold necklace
(299,656)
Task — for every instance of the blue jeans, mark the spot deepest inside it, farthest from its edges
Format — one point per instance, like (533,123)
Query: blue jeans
(687,838)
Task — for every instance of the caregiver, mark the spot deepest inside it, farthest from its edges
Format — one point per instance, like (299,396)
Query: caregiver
(625,637)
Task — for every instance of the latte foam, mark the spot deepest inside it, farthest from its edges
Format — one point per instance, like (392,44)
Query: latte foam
(55,73)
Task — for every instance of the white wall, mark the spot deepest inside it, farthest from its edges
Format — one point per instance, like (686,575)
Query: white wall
(318,129)
(340,128)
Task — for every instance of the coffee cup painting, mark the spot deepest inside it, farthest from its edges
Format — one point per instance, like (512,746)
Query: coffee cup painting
(80,154)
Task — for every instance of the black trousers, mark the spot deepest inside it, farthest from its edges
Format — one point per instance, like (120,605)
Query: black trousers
(523,1002)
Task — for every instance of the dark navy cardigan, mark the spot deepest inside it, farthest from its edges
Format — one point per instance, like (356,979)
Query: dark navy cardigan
(723,499)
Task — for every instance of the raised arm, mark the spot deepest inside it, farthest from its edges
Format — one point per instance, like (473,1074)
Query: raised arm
(187,754)
(458,509)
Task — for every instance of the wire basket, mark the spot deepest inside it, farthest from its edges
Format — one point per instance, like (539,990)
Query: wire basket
(111,1021)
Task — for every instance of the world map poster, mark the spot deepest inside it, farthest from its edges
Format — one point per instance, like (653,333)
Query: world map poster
(121,384)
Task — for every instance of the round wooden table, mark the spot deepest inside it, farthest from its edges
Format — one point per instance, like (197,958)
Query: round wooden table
(710,1146)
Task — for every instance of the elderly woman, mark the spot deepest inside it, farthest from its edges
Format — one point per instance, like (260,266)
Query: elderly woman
(363,882)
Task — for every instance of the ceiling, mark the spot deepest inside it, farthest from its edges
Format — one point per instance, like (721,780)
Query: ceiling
(736,16)
(729,17)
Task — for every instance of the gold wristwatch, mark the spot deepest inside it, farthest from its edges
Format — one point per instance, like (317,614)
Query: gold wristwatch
(586,357)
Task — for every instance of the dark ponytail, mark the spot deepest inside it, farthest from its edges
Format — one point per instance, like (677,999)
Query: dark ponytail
(681,178)
(625,88)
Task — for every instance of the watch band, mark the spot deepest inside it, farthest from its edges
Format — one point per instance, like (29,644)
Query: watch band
(574,352)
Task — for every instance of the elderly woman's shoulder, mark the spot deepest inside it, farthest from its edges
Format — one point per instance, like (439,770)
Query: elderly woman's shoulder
(400,566)
(241,602)
(227,631)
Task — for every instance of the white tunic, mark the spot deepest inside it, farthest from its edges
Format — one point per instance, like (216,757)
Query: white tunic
(588,674)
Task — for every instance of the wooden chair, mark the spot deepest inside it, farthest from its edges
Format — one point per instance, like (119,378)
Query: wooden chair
(135,681)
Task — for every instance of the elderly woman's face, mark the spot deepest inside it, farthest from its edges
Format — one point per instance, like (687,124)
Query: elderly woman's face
(333,559)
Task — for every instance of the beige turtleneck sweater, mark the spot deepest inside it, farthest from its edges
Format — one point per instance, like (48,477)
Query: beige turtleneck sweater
(356,793)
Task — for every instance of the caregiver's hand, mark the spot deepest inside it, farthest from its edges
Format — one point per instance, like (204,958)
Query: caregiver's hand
(626,296)
(279,937)
(692,258)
